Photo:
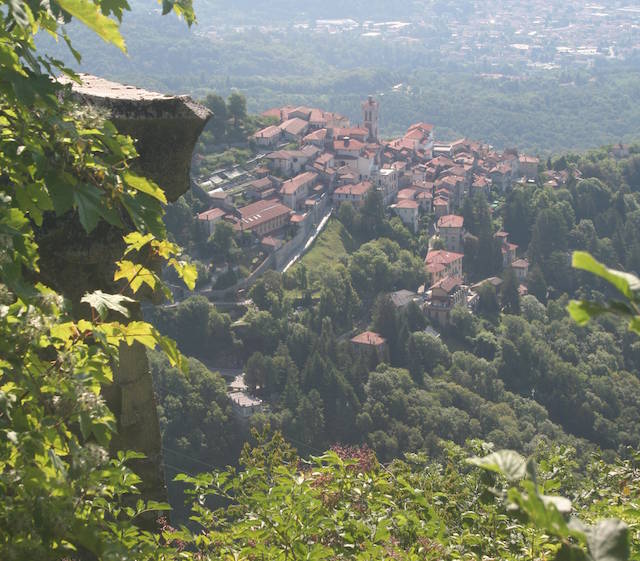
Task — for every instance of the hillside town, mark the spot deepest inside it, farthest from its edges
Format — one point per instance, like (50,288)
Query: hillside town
(312,161)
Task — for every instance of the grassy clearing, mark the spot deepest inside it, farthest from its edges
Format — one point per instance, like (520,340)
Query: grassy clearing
(333,243)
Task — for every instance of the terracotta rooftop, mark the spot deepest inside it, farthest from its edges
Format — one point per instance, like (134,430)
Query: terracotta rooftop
(268,132)
(290,186)
(286,155)
(442,256)
(357,189)
(422,126)
(259,212)
(320,134)
(435,267)
(448,284)
(349,144)
(407,193)
(369,338)
(324,159)
(520,264)
(211,214)
(354,132)
(450,221)
(261,184)
(294,126)
(407,203)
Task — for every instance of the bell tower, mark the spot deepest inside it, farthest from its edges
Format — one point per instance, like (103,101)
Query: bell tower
(370,109)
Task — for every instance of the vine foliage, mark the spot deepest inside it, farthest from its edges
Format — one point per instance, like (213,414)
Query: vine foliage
(63,496)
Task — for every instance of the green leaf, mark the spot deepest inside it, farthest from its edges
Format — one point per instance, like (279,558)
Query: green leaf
(145,186)
(89,14)
(155,505)
(136,275)
(609,541)
(102,302)
(506,462)
(88,200)
(186,271)
(136,241)
(624,282)
(582,311)
(60,187)
(170,349)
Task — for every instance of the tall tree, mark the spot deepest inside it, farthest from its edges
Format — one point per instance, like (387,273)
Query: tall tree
(237,108)
(537,284)
(488,303)
(392,326)
(218,122)
(372,213)
(510,294)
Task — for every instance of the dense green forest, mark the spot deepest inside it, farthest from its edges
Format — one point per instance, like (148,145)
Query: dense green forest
(514,379)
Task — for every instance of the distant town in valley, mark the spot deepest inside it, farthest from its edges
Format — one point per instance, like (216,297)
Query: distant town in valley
(538,35)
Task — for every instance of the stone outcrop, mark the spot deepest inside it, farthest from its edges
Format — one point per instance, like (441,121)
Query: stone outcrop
(166,129)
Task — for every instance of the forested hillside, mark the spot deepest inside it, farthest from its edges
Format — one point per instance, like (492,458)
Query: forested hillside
(517,373)
(542,111)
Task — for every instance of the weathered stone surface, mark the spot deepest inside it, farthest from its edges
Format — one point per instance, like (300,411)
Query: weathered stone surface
(166,127)
(72,262)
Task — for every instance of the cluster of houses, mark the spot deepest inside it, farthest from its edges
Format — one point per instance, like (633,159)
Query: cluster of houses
(318,156)
(446,287)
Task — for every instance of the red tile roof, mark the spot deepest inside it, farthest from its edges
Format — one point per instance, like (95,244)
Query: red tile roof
(274,112)
(450,221)
(294,126)
(324,159)
(290,186)
(528,160)
(422,126)
(259,212)
(260,184)
(435,267)
(357,189)
(408,193)
(318,135)
(407,203)
(442,256)
(348,144)
(211,214)
(268,132)
(448,284)
(520,264)
(354,132)
(369,338)
(441,161)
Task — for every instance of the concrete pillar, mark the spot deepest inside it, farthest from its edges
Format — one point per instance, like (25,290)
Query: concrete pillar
(165,128)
